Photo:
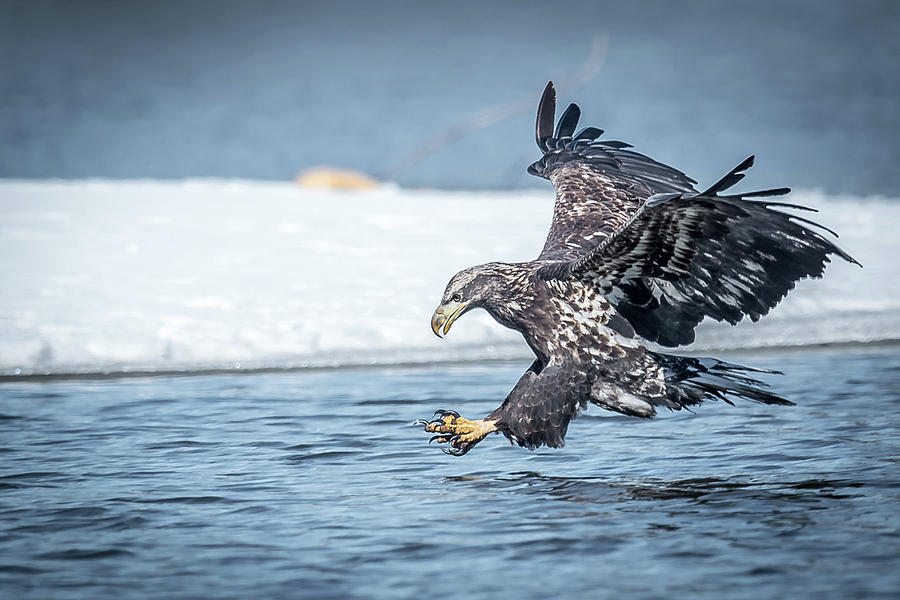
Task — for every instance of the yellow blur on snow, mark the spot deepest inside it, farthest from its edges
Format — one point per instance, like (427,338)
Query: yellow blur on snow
(335,179)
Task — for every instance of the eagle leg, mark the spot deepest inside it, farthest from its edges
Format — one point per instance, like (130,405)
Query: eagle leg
(460,433)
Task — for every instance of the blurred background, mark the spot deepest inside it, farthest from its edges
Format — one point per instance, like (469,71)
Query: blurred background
(150,154)
(443,94)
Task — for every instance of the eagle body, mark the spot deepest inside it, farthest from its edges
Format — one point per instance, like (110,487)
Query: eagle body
(585,352)
(635,254)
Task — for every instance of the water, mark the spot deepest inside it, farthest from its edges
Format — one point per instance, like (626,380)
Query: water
(313,484)
(237,89)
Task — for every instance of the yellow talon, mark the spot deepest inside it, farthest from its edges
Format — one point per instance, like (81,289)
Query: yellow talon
(461,433)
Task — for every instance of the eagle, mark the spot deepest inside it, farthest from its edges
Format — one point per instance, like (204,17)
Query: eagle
(635,255)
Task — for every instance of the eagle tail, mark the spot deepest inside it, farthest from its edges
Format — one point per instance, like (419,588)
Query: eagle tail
(690,381)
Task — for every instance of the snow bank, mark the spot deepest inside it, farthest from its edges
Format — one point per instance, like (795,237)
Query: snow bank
(103,275)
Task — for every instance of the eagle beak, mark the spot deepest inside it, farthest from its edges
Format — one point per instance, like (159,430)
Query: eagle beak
(444,316)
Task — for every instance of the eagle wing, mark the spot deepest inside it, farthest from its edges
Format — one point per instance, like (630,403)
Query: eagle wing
(682,257)
(663,253)
(599,184)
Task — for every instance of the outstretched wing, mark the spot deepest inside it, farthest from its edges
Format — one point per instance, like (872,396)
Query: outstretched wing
(599,184)
(683,257)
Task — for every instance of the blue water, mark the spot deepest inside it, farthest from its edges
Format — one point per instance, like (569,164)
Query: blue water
(262,90)
(313,484)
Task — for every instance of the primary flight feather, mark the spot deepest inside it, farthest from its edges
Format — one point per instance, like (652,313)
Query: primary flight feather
(635,253)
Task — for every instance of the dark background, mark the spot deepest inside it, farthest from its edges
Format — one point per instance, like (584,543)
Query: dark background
(443,94)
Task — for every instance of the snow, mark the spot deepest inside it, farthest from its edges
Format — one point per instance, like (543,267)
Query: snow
(115,275)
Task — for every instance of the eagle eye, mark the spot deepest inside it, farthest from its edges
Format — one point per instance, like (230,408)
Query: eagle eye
(456,297)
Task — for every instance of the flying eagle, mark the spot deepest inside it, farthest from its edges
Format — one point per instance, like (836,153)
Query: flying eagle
(635,254)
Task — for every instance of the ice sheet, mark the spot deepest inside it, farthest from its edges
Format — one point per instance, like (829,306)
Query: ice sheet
(107,275)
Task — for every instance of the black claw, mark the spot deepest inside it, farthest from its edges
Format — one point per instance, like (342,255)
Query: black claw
(445,438)
(443,413)
(454,451)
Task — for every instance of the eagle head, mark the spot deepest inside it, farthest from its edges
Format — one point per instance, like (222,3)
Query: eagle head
(484,286)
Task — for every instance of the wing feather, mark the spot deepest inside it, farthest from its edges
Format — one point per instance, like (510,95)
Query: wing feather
(687,257)
(543,128)
(599,184)
(567,123)
(664,254)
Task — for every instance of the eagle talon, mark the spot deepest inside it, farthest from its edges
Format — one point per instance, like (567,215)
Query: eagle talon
(445,413)
(459,433)
(455,451)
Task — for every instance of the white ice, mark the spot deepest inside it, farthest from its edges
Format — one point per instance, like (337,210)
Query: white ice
(105,275)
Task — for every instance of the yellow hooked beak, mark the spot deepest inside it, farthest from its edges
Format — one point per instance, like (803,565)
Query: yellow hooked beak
(444,316)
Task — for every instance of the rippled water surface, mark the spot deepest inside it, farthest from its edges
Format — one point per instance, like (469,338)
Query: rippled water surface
(314,484)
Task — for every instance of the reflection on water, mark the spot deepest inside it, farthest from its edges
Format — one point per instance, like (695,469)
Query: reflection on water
(603,490)
(314,484)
